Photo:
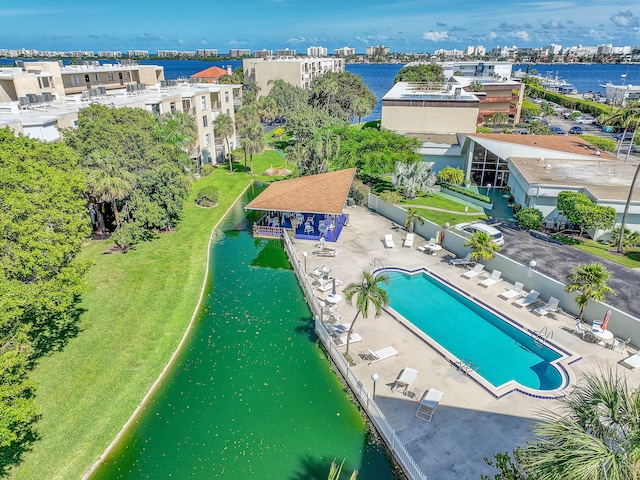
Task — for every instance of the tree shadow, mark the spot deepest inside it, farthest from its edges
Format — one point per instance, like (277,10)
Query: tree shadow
(313,469)
(11,454)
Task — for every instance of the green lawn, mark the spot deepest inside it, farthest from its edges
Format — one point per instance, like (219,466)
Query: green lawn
(630,259)
(439,201)
(136,309)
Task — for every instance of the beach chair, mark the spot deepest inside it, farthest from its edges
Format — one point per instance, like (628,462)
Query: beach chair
(475,271)
(326,285)
(429,403)
(633,362)
(516,291)
(551,307)
(530,299)
(620,343)
(466,260)
(341,341)
(580,328)
(379,355)
(404,380)
(408,242)
(388,241)
(496,276)
(337,330)
(426,248)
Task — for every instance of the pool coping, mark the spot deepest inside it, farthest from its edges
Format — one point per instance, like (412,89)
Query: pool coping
(562,364)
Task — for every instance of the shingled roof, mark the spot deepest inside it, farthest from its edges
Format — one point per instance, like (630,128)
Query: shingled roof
(322,193)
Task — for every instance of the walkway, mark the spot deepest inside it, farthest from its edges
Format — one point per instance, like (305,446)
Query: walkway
(470,423)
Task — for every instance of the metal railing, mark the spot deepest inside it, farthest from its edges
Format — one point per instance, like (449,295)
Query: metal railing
(386,431)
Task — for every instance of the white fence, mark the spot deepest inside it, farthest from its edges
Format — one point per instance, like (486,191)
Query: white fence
(386,431)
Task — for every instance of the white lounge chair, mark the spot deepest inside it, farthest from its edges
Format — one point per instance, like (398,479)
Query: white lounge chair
(326,285)
(408,242)
(496,276)
(475,271)
(404,380)
(429,403)
(580,328)
(516,291)
(466,260)
(388,241)
(338,329)
(633,362)
(427,247)
(378,355)
(341,341)
(620,343)
(551,307)
(530,299)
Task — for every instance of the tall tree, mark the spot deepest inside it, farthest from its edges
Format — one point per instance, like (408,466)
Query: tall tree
(482,246)
(325,147)
(413,215)
(253,141)
(423,72)
(267,109)
(224,128)
(595,435)
(412,178)
(590,281)
(368,293)
(628,117)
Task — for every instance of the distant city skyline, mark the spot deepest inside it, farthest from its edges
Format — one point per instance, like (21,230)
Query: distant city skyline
(406,26)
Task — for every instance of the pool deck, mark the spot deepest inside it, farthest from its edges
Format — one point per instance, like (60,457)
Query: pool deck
(469,423)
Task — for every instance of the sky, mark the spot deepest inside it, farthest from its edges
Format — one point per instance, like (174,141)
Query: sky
(404,26)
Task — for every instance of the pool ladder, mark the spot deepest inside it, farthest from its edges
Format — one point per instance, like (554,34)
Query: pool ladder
(541,337)
(467,366)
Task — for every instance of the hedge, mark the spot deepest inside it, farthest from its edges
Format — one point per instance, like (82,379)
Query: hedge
(468,193)
(586,106)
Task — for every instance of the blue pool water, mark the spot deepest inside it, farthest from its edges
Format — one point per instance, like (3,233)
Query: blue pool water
(472,333)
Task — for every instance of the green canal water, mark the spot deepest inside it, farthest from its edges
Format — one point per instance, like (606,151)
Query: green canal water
(251,394)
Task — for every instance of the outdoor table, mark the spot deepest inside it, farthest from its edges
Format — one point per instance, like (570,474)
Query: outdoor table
(602,335)
(331,298)
(435,249)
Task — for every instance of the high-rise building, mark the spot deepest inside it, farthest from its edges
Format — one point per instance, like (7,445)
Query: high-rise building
(344,52)
(317,52)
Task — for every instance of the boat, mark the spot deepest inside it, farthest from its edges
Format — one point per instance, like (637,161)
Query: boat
(557,85)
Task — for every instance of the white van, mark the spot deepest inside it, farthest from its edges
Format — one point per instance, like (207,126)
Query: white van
(467,229)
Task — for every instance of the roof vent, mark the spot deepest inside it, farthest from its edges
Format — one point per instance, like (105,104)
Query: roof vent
(548,166)
(541,159)
(597,154)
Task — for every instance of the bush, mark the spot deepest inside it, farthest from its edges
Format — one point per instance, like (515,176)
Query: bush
(529,218)
(606,144)
(483,130)
(451,175)
(372,124)
(511,198)
(207,197)
(391,197)
(359,192)
(468,193)
(516,208)
(206,170)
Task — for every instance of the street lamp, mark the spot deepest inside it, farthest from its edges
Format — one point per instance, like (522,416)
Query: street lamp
(322,305)
(374,377)
(532,264)
(304,254)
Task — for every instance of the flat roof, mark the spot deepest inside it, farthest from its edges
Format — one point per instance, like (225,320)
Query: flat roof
(322,193)
(428,91)
(606,179)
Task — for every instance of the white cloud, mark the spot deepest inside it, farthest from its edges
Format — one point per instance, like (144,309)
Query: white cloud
(435,36)
(297,40)
(492,35)
(625,19)
(520,35)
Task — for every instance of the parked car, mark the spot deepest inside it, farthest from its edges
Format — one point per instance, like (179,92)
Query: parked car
(585,120)
(627,136)
(576,129)
(469,228)
(556,130)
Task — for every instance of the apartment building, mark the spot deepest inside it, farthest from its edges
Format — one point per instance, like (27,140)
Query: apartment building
(286,53)
(47,114)
(316,52)
(239,52)
(377,50)
(297,71)
(207,52)
(344,52)
(264,53)
(137,53)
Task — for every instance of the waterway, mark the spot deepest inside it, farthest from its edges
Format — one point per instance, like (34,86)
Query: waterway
(251,394)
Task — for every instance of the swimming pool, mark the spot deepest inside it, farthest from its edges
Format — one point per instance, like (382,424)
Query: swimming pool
(501,351)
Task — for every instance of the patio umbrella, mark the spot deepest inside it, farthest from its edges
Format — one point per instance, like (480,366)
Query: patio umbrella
(333,292)
(605,321)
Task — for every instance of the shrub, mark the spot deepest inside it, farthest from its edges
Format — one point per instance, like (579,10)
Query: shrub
(516,208)
(506,189)
(207,197)
(511,198)
(391,197)
(606,144)
(372,124)
(529,218)
(359,192)
(451,175)
(468,193)
(206,170)
(483,130)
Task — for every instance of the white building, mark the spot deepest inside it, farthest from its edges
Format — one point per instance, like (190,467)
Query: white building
(344,52)
(316,52)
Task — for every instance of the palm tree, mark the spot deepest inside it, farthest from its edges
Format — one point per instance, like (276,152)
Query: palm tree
(367,292)
(627,116)
(476,86)
(412,214)
(108,182)
(482,246)
(590,281)
(223,126)
(267,109)
(361,108)
(595,434)
(325,147)
(414,177)
(298,153)
(253,141)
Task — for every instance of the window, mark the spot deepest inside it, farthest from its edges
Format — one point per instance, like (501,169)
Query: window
(205,122)
(206,139)
(110,76)
(204,103)
(44,82)
(86,78)
(228,112)
(95,77)
(226,96)
(172,106)
(155,109)
(75,80)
